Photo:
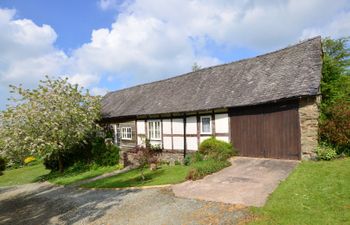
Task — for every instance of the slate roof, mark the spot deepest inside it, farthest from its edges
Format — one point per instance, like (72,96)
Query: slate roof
(287,73)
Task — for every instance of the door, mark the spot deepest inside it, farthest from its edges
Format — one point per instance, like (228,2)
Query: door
(270,131)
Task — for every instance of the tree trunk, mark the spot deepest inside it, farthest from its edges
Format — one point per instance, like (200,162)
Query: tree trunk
(60,163)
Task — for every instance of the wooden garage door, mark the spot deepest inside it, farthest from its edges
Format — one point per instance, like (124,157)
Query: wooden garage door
(270,131)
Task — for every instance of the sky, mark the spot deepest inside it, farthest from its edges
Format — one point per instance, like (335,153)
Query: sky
(106,45)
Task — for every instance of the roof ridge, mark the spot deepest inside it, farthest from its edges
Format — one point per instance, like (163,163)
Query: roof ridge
(215,66)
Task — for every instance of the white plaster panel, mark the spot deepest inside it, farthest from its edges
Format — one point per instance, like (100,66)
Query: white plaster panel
(140,127)
(167,143)
(166,126)
(178,143)
(178,126)
(203,138)
(223,138)
(191,125)
(191,143)
(221,123)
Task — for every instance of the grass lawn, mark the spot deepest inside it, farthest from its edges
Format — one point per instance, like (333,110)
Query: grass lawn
(24,175)
(315,193)
(163,175)
(30,174)
(71,176)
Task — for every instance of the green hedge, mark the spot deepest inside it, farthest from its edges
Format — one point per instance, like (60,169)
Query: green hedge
(216,149)
(202,168)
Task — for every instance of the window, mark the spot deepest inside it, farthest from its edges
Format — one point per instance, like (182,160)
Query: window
(154,130)
(126,133)
(206,124)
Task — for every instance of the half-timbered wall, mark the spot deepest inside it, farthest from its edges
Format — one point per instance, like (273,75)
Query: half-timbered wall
(174,128)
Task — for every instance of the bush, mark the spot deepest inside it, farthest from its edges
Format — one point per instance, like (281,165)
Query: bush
(187,160)
(325,152)
(104,154)
(336,128)
(216,149)
(2,165)
(93,150)
(202,168)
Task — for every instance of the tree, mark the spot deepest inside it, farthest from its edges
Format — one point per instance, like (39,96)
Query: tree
(335,90)
(196,67)
(335,83)
(50,119)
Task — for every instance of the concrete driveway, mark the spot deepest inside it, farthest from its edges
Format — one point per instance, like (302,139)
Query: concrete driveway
(248,182)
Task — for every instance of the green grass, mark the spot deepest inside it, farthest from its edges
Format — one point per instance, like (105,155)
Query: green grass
(72,175)
(163,175)
(315,193)
(30,174)
(24,175)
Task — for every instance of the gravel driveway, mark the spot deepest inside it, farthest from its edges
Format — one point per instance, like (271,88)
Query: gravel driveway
(43,203)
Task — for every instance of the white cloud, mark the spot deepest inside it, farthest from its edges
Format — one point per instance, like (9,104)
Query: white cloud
(27,52)
(84,80)
(108,4)
(99,91)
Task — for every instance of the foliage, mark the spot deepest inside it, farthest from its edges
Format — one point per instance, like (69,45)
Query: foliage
(2,165)
(335,90)
(202,168)
(216,149)
(193,158)
(23,175)
(187,160)
(93,150)
(315,193)
(50,119)
(145,156)
(325,152)
(335,83)
(163,175)
(105,154)
(196,67)
(29,160)
(335,130)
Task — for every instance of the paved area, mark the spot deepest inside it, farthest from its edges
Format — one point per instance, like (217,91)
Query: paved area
(249,181)
(47,204)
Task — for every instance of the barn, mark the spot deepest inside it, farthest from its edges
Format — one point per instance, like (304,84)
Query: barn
(266,106)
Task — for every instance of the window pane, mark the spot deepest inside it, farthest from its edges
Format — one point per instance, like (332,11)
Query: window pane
(206,125)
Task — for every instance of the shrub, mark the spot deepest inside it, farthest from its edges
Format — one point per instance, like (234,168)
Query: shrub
(193,158)
(93,150)
(325,152)
(216,149)
(2,165)
(187,160)
(336,128)
(202,168)
(104,154)
(29,160)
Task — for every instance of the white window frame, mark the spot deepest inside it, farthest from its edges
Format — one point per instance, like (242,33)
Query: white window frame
(151,134)
(210,125)
(125,131)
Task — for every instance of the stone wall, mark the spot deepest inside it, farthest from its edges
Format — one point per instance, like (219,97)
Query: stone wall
(128,158)
(308,116)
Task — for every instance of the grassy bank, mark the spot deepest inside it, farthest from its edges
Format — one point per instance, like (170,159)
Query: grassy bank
(315,193)
(163,175)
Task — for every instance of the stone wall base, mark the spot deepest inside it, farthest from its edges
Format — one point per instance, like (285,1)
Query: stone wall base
(129,158)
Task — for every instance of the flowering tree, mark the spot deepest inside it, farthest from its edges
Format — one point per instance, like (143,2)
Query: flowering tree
(49,119)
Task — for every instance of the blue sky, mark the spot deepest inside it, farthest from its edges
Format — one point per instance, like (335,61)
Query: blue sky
(107,45)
